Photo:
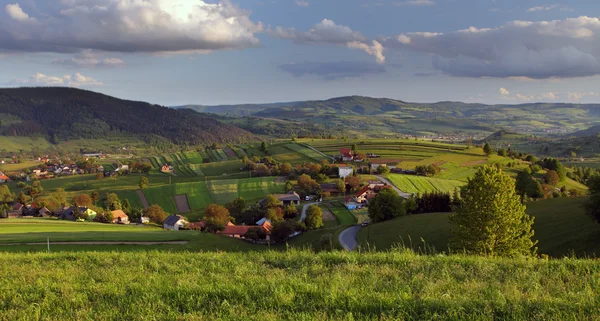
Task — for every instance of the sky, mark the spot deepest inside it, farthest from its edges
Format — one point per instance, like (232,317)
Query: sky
(175,52)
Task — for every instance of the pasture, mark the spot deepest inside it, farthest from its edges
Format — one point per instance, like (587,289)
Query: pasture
(561,227)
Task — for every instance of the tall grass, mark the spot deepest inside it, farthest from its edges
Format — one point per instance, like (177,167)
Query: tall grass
(294,285)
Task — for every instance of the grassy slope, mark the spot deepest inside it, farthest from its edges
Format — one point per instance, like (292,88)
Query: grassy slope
(294,285)
(420,185)
(560,226)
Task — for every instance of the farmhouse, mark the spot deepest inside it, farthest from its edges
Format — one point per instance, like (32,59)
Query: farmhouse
(16,210)
(4,178)
(68,213)
(119,217)
(289,198)
(346,155)
(362,197)
(174,222)
(166,168)
(239,231)
(345,171)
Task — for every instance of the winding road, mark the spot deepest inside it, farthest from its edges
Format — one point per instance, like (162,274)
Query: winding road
(348,236)
(304,209)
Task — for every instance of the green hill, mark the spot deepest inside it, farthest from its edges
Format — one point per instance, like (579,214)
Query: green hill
(364,116)
(60,114)
(561,227)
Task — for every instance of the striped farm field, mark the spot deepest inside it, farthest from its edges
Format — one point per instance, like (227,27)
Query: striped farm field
(223,191)
(255,188)
(221,154)
(193,157)
(163,196)
(420,184)
(240,152)
(197,194)
(315,156)
(230,153)
(196,169)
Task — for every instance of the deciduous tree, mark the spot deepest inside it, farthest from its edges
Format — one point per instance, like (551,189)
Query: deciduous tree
(386,205)
(314,217)
(217,217)
(143,182)
(155,214)
(82,200)
(490,219)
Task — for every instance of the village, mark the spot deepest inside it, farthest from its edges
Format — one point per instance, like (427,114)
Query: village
(349,190)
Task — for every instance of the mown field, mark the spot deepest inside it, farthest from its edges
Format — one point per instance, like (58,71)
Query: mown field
(294,285)
(561,227)
(420,184)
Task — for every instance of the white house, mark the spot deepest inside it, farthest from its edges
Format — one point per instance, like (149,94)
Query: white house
(345,171)
(174,222)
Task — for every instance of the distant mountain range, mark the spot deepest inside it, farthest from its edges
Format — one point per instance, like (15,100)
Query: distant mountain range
(67,113)
(365,116)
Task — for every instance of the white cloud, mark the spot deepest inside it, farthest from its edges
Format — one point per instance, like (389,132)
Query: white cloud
(328,32)
(129,26)
(89,59)
(536,50)
(416,3)
(547,96)
(549,8)
(75,80)
(543,8)
(576,96)
(16,12)
(302,3)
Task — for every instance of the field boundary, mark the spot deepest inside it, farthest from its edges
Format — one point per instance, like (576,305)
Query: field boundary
(143,198)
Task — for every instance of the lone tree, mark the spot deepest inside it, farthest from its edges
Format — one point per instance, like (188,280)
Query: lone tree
(592,207)
(526,185)
(82,200)
(95,196)
(487,149)
(217,217)
(386,205)
(314,217)
(490,218)
(155,214)
(143,182)
(551,178)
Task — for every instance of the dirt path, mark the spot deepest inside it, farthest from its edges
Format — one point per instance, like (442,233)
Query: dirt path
(181,201)
(143,199)
(101,243)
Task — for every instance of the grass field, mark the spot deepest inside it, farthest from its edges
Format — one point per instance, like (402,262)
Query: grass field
(420,184)
(8,168)
(294,285)
(343,216)
(15,143)
(560,225)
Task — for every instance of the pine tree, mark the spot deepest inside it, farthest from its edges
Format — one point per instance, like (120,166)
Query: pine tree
(487,149)
(490,219)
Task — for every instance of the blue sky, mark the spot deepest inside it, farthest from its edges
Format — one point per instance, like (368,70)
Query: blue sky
(221,52)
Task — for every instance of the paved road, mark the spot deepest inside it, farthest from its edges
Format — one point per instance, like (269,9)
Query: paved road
(348,238)
(401,193)
(304,209)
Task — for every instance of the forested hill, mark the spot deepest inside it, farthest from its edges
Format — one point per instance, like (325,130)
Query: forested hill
(59,113)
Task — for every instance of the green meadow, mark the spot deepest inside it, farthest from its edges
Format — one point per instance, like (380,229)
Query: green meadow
(294,285)
(560,225)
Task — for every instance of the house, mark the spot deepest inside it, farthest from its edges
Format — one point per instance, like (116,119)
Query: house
(289,198)
(174,222)
(4,178)
(68,213)
(345,171)
(239,231)
(44,212)
(119,217)
(329,188)
(346,155)
(166,168)
(16,210)
(262,221)
(364,195)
